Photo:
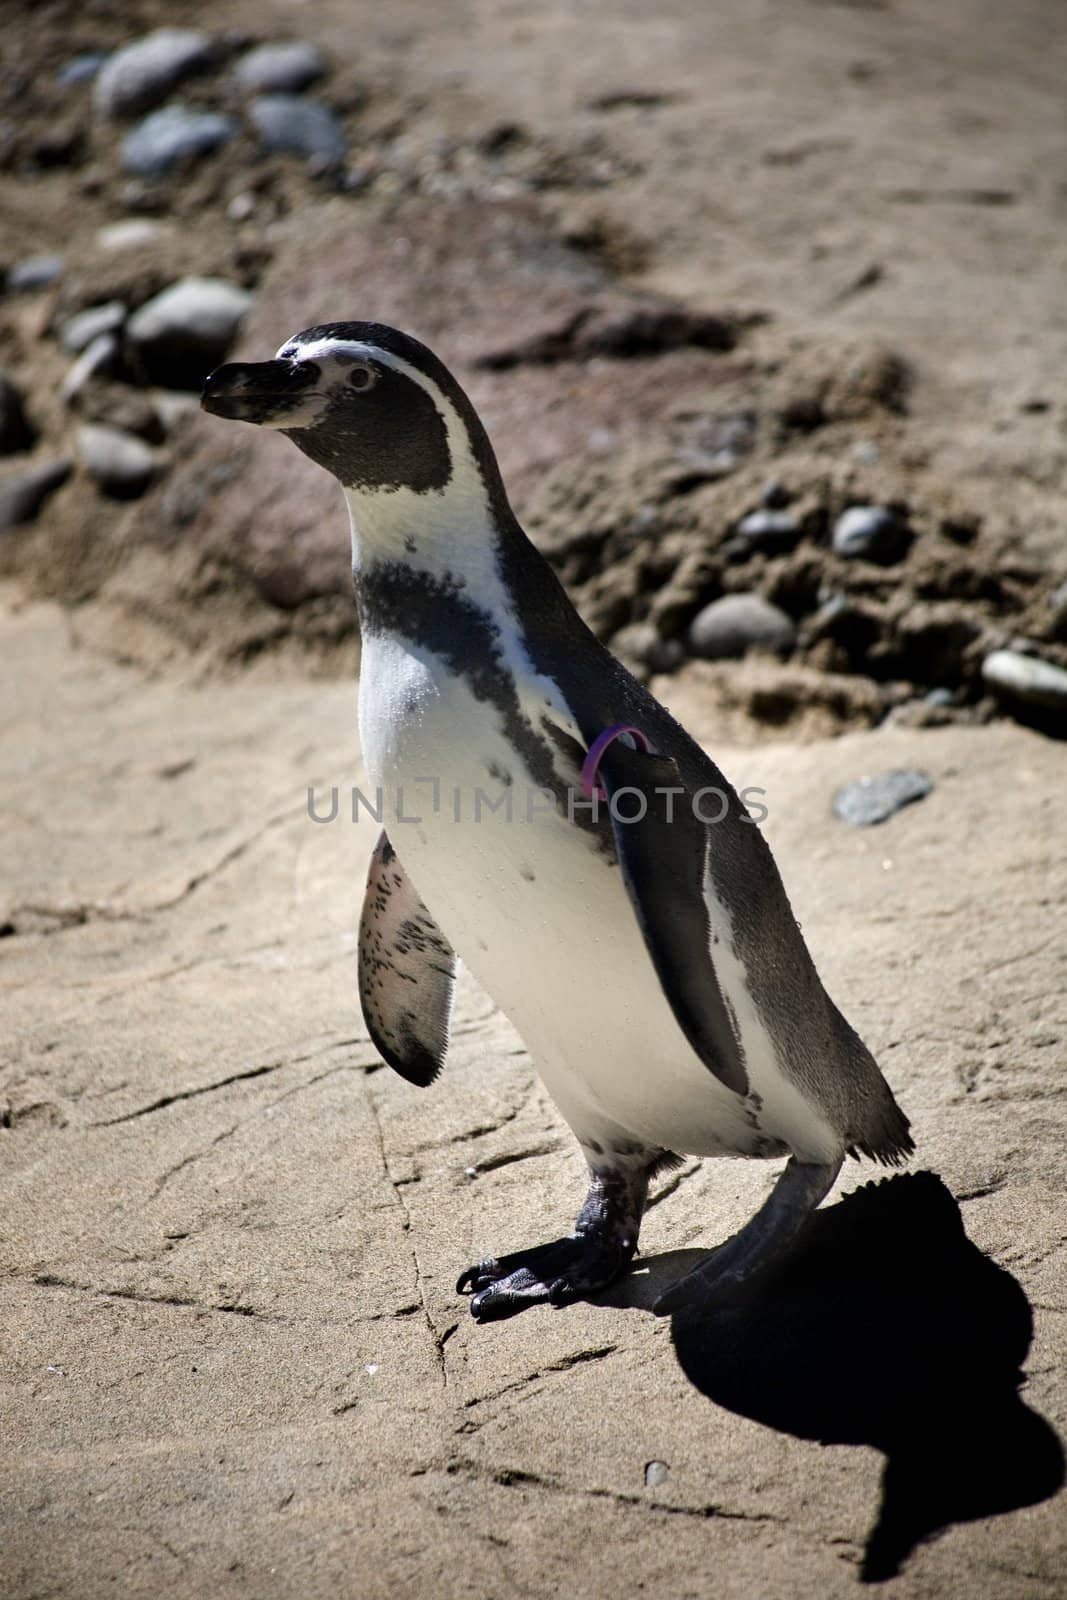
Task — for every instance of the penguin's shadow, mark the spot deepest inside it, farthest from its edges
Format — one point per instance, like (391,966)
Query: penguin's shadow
(884,1326)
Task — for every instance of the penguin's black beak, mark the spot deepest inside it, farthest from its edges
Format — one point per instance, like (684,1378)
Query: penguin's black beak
(268,392)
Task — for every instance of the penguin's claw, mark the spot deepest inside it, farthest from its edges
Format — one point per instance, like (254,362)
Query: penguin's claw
(549,1274)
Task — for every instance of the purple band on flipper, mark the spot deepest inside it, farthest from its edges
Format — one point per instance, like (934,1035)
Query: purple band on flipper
(596,751)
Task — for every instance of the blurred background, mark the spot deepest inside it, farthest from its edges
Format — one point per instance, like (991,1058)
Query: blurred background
(760,302)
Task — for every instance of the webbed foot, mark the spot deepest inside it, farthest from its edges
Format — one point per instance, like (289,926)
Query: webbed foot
(552,1274)
(603,1242)
(800,1188)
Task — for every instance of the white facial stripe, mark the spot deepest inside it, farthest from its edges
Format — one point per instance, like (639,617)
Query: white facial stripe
(330,347)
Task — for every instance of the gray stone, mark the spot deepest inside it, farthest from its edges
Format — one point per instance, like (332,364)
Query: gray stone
(132,233)
(872,800)
(16,430)
(36,272)
(81,69)
(122,465)
(289,123)
(177,133)
(142,74)
(79,331)
(180,334)
(1027,679)
(279,68)
(738,622)
(870,533)
(22,494)
(97,357)
(771,531)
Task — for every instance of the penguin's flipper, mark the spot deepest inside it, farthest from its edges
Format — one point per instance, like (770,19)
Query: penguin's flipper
(406,972)
(662,853)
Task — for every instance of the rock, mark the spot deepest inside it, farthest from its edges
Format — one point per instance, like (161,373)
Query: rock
(279,68)
(16,430)
(642,642)
(22,494)
(177,133)
(775,495)
(771,531)
(242,206)
(133,233)
(871,800)
(300,127)
(736,623)
(122,465)
(98,357)
(142,74)
(1027,679)
(79,331)
(182,333)
(870,533)
(81,69)
(36,272)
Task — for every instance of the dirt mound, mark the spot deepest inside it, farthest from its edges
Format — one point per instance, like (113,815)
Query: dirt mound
(666,451)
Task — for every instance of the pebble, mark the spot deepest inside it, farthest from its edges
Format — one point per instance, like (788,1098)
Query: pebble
(868,801)
(870,533)
(79,331)
(177,133)
(727,627)
(35,272)
(656,1473)
(775,495)
(81,69)
(279,68)
(97,357)
(241,206)
(771,531)
(22,494)
(133,233)
(180,334)
(1026,678)
(16,430)
(142,74)
(122,465)
(297,126)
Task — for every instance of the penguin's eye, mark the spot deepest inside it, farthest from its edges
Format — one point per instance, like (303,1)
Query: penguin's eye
(362,378)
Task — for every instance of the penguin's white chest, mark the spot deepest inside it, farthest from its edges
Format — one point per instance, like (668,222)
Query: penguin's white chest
(538,912)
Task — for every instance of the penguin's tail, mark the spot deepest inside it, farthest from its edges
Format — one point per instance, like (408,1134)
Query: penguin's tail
(886,1135)
(875,1126)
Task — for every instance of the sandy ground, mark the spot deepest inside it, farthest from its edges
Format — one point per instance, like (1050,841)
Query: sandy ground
(235,1361)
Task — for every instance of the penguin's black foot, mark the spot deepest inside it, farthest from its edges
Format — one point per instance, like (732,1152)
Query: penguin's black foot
(760,1242)
(549,1274)
(603,1242)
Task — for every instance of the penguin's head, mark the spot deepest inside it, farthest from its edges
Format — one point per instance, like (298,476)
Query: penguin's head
(372,405)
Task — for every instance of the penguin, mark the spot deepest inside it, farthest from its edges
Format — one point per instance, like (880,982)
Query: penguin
(550,823)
